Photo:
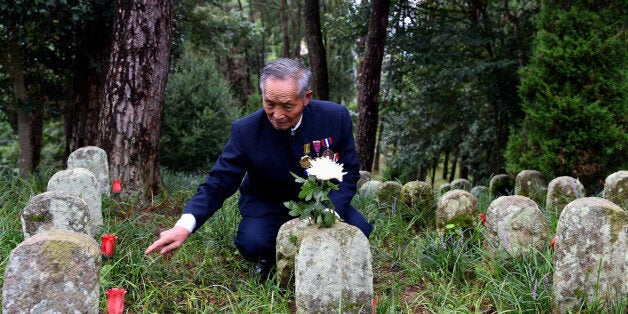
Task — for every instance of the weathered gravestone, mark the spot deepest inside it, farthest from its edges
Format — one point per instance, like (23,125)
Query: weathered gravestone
(561,191)
(287,249)
(95,160)
(501,185)
(388,195)
(369,188)
(82,183)
(55,210)
(365,176)
(616,188)
(333,270)
(444,188)
(419,197)
(461,184)
(515,224)
(531,184)
(590,254)
(480,192)
(456,208)
(56,271)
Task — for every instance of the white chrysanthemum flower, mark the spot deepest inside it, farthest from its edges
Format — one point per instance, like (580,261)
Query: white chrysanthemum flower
(325,169)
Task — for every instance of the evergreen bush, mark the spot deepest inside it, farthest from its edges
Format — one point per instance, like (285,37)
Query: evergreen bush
(574,94)
(198,112)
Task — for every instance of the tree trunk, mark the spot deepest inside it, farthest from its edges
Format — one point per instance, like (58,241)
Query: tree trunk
(316,50)
(464,170)
(295,28)
(445,165)
(368,83)
(130,120)
(87,92)
(285,39)
(29,120)
(434,166)
(378,148)
(81,112)
(454,164)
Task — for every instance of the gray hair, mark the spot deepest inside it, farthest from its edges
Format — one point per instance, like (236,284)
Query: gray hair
(284,68)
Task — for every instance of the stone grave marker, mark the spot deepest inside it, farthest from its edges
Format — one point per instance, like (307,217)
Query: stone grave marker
(55,210)
(369,188)
(501,185)
(333,270)
(616,188)
(82,183)
(95,160)
(590,254)
(515,225)
(531,184)
(56,271)
(461,184)
(365,176)
(561,191)
(458,208)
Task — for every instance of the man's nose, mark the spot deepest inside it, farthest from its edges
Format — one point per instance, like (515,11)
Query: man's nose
(278,113)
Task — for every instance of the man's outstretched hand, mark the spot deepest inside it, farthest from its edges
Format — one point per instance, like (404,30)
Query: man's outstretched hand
(169,240)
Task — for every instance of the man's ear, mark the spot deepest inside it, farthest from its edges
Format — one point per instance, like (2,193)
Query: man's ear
(308,96)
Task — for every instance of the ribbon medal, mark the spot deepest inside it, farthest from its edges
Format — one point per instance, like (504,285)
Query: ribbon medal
(305,160)
(328,152)
(317,147)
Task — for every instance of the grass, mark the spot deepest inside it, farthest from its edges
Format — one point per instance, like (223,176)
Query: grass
(416,270)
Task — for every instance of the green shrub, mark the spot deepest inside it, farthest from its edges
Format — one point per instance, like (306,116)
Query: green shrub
(574,94)
(198,112)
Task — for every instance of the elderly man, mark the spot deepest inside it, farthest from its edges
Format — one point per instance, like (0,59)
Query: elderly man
(263,149)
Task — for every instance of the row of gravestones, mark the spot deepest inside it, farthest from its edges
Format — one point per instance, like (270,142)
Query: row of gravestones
(591,242)
(56,269)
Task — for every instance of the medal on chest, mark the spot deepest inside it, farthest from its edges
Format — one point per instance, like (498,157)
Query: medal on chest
(305,160)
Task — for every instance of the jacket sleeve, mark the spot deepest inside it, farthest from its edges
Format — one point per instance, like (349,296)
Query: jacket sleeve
(223,180)
(342,197)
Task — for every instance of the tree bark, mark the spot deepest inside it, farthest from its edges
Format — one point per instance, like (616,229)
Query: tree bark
(29,118)
(87,91)
(368,83)
(81,111)
(316,50)
(285,36)
(130,120)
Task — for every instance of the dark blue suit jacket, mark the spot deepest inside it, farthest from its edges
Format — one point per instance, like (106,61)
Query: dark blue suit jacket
(258,159)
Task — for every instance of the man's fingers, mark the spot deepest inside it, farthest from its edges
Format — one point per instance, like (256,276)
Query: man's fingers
(169,240)
(155,245)
(170,247)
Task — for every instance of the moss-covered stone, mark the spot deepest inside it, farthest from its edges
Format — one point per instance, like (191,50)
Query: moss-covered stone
(561,191)
(457,207)
(501,185)
(616,188)
(530,183)
(388,194)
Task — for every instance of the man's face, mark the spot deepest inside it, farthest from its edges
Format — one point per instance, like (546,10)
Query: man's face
(281,104)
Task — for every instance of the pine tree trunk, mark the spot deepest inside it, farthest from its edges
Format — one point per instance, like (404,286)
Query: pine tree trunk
(285,36)
(87,92)
(368,84)
(81,111)
(29,120)
(316,50)
(130,120)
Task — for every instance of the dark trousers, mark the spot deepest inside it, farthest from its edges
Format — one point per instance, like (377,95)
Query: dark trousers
(257,236)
